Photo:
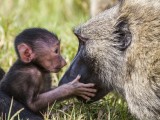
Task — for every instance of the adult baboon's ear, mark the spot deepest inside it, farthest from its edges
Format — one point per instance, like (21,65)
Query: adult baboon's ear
(25,52)
(123,35)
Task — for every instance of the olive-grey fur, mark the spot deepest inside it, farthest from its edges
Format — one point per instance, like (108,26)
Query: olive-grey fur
(134,72)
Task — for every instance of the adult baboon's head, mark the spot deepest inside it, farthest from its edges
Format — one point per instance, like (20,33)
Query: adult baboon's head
(110,45)
(102,41)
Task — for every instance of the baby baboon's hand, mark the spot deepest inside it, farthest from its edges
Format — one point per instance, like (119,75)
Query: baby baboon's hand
(86,91)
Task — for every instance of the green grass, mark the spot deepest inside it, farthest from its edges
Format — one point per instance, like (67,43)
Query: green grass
(59,16)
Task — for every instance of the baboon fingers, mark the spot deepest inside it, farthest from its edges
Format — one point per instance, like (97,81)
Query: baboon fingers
(85,97)
(76,79)
(88,90)
(88,85)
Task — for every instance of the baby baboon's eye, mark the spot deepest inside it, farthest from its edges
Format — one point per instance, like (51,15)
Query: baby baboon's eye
(56,51)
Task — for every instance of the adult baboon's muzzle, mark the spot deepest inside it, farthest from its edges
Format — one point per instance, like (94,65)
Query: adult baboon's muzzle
(79,66)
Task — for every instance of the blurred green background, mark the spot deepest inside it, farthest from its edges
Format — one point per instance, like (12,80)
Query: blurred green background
(60,17)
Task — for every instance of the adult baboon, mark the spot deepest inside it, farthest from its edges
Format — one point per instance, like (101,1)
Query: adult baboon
(119,49)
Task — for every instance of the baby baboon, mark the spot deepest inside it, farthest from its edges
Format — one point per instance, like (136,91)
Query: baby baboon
(28,80)
(119,49)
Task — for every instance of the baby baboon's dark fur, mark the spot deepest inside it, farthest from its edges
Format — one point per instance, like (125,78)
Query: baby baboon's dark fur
(5,103)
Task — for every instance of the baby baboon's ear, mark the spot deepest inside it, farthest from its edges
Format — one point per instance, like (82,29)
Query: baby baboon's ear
(25,52)
(123,35)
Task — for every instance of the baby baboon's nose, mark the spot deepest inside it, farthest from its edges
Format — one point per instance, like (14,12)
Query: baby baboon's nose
(63,62)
